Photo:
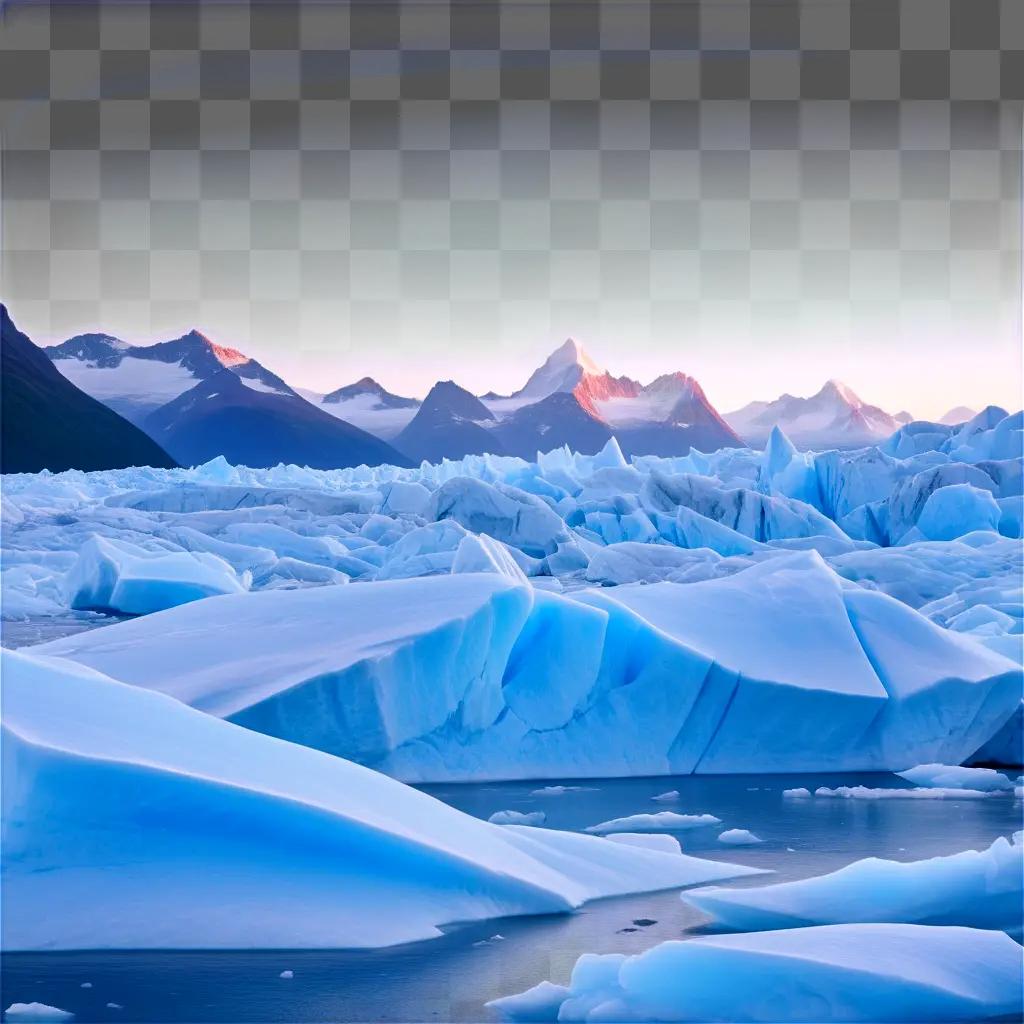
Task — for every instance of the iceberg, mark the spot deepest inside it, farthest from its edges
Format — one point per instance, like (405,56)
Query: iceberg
(853,972)
(479,675)
(975,889)
(944,776)
(115,576)
(190,832)
(952,511)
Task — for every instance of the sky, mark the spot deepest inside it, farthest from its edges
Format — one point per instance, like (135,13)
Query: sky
(764,196)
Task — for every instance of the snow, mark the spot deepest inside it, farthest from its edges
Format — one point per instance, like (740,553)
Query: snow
(944,776)
(134,387)
(739,837)
(647,841)
(852,972)
(366,412)
(517,818)
(35,1011)
(662,821)
(975,889)
(321,852)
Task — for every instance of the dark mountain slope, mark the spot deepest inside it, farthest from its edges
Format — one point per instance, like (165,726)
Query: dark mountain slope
(48,423)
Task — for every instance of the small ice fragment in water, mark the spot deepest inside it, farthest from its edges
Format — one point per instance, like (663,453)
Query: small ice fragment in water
(287,974)
(35,1011)
(739,837)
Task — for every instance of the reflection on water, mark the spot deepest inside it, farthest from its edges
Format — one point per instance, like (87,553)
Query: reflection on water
(449,979)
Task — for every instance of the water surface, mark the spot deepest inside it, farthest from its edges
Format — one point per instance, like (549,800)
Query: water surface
(450,978)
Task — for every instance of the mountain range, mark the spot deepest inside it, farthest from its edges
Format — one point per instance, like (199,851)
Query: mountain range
(834,415)
(197,399)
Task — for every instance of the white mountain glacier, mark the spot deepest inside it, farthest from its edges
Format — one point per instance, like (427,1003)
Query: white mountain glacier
(135,380)
(836,416)
(367,405)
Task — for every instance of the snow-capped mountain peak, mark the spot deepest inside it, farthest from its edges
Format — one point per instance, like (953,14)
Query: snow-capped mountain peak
(561,371)
(836,389)
(224,355)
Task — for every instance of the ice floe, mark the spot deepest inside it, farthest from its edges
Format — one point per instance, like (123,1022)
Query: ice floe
(854,972)
(976,889)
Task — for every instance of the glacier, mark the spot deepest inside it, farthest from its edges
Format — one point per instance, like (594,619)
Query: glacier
(853,972)
(578,614)
(975,889)
(190,832)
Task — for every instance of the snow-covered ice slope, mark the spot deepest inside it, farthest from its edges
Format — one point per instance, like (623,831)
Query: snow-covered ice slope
(779,667)
(863,972)
(133,821)
(977,889)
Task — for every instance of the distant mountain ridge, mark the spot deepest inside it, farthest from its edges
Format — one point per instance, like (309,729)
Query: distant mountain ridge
(135,380)
(367,386)
(835,415)
(221,415)
(568,400)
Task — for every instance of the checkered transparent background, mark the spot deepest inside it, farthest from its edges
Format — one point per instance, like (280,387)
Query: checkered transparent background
(474,169)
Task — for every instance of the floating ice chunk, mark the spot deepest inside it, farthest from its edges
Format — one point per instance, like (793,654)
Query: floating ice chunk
(662,821)
(801,793)
(321,852)
(854,972)
(287,974)
(540,1003)
(560,790)
(667,798)
(113,575)
(517,818)
(944,776)
(35,1011)
(739,837)
(866,793)
(647,840)
(978,890)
